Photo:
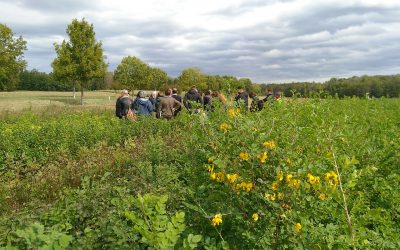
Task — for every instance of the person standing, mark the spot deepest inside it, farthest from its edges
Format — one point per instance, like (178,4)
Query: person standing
(168,105)
(256,103)
(123,104)
(192,97)
(141,105)
(208,101)
(152,99)
(242,95)
(178,98)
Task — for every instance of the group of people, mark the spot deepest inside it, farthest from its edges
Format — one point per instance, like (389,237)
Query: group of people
(170,103)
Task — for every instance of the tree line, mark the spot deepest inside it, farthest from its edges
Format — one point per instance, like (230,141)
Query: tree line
(363,86)
(80,64)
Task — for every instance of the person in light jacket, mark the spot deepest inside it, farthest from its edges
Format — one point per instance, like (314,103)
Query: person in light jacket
(168,105)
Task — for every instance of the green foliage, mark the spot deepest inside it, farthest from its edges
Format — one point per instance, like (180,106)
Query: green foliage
(132,73)
(192,76)
(364,86)
(150,220)
(35,80)
(35,237)
(80,59)
(11,58)
(288,198)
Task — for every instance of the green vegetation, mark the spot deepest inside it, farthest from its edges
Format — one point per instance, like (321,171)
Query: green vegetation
(303,174)
(11,58)
(80,59)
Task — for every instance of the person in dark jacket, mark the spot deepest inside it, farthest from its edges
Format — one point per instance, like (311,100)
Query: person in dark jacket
(168,105)
(178,98)
(207,101)
(192,96)
(256,103)
(269,97)
(123,104)
(141,105)
(242,95)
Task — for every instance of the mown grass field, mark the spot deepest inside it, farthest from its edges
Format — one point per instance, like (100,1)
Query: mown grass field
(34,100)
(309,174)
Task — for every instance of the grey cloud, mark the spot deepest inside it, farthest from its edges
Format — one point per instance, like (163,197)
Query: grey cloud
(56,6)
(318,42)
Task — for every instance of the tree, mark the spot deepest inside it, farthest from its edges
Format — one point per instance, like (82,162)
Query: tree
(158,78)
(192,76)
(35,80)
(81,58)
(11,58)
(133,73)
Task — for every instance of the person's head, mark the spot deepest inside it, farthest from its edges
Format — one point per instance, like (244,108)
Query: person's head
(124,92)
(168,92)
(252,94)
(154,94)
(141,94)
(269,91)
(240,89)
(193,88)
(208,92)
(174,91)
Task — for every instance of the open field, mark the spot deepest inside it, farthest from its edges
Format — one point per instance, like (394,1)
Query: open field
(309,174)
(33,100)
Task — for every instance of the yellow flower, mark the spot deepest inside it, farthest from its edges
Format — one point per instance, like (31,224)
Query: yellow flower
(297,228)
(216,220)
(289,178)
(210,160)
(269,144)
(210,168)
(262,157)
(270,197)
(249,186)
(245,186)
(275,185)
(294,183)
(213,176)
(288,161)
(224,127)
(220,177)
(254,129)
(280,196)
(322,196)
(255,217)
(244,156)
(231,178)
(233,112)
(312,179)
(279,176)
(332,178)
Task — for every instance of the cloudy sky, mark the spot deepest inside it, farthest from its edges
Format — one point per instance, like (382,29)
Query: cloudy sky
(264,40)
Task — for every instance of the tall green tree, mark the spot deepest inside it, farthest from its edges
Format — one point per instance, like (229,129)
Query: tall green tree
(81,58)
(133,73)
(11,58)
(192,76)
(159,78)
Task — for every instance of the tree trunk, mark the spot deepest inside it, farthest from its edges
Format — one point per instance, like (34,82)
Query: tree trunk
(74,94)
(81,94)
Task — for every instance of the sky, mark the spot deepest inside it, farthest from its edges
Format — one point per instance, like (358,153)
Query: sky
(264,40)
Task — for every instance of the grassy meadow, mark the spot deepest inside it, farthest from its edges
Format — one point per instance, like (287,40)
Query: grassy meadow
(302,174)
(34,100)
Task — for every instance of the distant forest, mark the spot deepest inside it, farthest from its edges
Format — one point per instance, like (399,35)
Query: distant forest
(372,86)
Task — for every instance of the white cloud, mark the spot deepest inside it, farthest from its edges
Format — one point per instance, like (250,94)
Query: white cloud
(269,40)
